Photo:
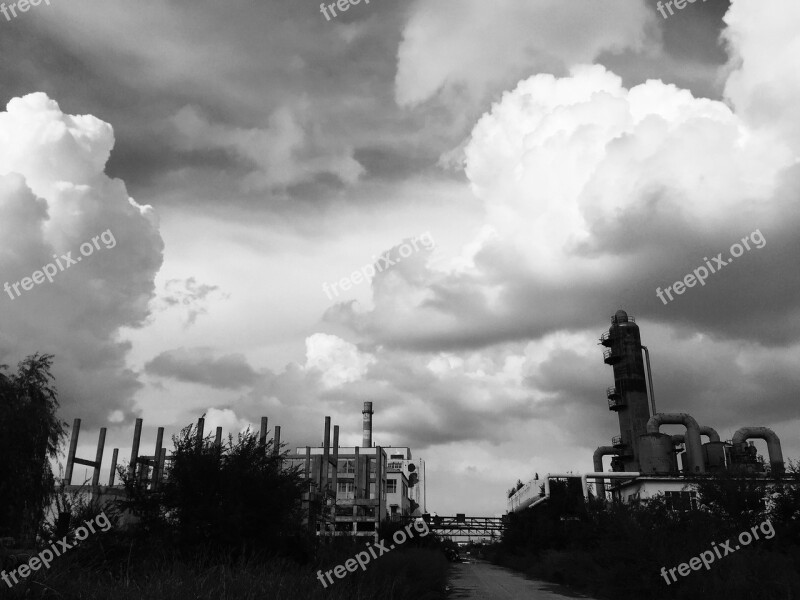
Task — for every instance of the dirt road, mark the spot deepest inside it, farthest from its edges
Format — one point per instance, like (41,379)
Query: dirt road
(480,580)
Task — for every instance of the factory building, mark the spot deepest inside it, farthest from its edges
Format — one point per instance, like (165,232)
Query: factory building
(644,461)
(406,483)
(352,489)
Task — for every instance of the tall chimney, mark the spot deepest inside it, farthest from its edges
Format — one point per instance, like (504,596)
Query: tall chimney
(367,412)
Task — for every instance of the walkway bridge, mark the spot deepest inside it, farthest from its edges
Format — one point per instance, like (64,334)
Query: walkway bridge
(462,526)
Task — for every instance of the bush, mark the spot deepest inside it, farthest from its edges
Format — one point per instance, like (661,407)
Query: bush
(238,497)
(615,550)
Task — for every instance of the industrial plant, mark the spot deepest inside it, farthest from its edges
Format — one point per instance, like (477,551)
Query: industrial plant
(347,490)
(644,461)
(352,489)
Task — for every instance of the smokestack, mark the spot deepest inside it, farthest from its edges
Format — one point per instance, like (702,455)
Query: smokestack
(367,412)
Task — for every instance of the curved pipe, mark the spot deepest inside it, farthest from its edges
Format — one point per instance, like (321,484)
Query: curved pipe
(713,436)
(693,445)
(769,436)
(597,459)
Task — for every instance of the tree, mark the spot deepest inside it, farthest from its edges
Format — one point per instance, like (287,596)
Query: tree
(239,495)
(30,436)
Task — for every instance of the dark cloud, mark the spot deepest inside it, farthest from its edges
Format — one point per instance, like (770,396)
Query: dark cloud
(189,296)
(198,365)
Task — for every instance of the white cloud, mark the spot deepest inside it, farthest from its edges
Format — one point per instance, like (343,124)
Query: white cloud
(337,360)
(54,196)
(227,419)
(585,183)
(764,86)
(558,160)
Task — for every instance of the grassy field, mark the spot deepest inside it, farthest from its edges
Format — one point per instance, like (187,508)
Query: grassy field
(756,575)
(413,573)
(617,551)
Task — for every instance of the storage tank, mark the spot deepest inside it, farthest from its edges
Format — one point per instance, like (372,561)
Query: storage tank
(656,454)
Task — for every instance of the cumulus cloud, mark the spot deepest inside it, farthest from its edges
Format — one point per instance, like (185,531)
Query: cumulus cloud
(199,365)
(335,360)
(227,419)
(592,188)
(54,196)
(478,44)
(595,194)
(281,154)
(764,86)
(572,156)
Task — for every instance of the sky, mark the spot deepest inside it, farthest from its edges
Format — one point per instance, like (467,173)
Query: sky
(254,209)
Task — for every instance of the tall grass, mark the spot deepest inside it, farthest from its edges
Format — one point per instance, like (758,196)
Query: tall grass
(226,523)
(617,551)
(402,575)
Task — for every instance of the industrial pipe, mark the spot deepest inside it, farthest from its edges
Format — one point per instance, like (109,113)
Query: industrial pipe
(598,466)
(713,436)
(650,381)
(693,445)
(773,444)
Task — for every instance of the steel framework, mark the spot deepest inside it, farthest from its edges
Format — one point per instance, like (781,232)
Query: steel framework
(462,526)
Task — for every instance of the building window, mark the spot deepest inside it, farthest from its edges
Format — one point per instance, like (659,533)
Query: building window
(391,486)
(345,490)
(396,456)
(681,500)
(346,466)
